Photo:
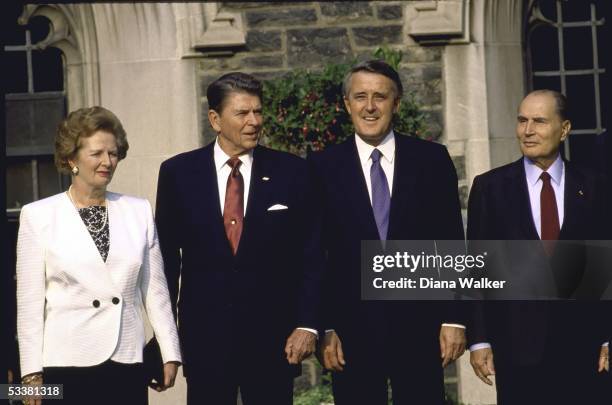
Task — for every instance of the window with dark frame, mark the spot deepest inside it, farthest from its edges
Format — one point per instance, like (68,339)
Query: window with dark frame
(35,103)
(565,51)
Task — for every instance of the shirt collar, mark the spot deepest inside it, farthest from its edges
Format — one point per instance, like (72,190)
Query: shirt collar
(533,172)
(221,157)
(386,148)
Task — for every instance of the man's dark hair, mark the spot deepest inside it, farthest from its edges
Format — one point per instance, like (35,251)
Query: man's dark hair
(374,66)
(561,104)
(234,82)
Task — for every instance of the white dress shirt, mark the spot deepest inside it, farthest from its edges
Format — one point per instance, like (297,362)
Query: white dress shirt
(387,149)
(223,171)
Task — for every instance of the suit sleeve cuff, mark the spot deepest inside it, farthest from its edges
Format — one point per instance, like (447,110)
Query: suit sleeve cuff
(479,346)
(454,325)
(606,344)
(313,331)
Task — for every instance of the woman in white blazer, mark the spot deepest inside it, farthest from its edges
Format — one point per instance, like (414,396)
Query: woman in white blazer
(88,269)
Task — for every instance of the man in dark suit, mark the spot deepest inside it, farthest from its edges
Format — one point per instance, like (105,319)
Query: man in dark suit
(545,352)
(380,185)
(236,228)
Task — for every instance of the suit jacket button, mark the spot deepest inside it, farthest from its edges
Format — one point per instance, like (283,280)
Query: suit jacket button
(96,303)
(115,300)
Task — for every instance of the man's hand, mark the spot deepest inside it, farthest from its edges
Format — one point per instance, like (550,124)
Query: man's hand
(170,371)
(482,363)
(300,345)
(604,359)
(452,343)
(330,352)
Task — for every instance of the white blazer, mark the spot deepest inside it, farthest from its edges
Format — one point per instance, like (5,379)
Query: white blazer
(74,309)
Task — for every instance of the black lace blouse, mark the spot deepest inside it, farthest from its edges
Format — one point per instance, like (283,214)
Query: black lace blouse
(93,218)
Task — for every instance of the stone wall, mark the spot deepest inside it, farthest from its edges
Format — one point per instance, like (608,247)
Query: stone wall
(285,36)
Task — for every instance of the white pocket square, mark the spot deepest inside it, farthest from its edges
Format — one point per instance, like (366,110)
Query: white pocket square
(277,207)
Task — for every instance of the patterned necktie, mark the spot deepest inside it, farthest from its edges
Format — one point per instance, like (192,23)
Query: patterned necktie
(381,199)
(549,215)
(233,211)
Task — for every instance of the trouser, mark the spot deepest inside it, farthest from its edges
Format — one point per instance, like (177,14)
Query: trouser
(106,383)
(410,362)
(256,388)
(563,377)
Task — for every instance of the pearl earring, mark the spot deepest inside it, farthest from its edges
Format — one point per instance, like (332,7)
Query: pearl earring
(75,170)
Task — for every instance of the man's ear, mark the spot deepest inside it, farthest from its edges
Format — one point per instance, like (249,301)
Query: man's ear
(566,127)
(396,105)
(214,118)
(346,105)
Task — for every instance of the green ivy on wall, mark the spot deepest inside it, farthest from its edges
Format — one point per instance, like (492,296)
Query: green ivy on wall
(304,110)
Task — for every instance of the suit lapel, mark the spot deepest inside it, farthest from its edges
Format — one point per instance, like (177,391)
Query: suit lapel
(574,201)
(404,193)
(518,197)
(83,245)
(206,197)
(258,188)
(352,179)
(258,192)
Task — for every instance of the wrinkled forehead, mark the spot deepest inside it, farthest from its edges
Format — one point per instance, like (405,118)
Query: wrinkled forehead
(371,82)
(540,104)
(240,100)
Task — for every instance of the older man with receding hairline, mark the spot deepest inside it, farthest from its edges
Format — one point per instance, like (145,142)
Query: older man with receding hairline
(545,352)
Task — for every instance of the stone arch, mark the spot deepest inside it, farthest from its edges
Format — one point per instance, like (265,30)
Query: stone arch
(73,31)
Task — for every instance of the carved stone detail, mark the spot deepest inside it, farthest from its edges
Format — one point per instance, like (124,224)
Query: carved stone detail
(224,31)
(439,21)
(72,30)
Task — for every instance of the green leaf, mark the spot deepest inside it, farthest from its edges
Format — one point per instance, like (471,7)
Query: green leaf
(313,99)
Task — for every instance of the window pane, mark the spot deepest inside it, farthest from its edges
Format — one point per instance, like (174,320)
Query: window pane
(576,10)
(544,48)
(581,96)
(547,82)
(15,70)
(549,9)
(48,177)
(31,124)
(39,28)
(602,8)
(18,182)
(15,34)
(19,122)
(605,57)
(48,70)
(578,45)
(606,108)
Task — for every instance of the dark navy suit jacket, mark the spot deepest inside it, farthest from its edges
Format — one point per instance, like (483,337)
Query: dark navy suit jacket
(521,331)
(236,310)
(424,206)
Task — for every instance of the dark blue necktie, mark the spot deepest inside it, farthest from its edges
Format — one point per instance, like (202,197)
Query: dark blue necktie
(381,199)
